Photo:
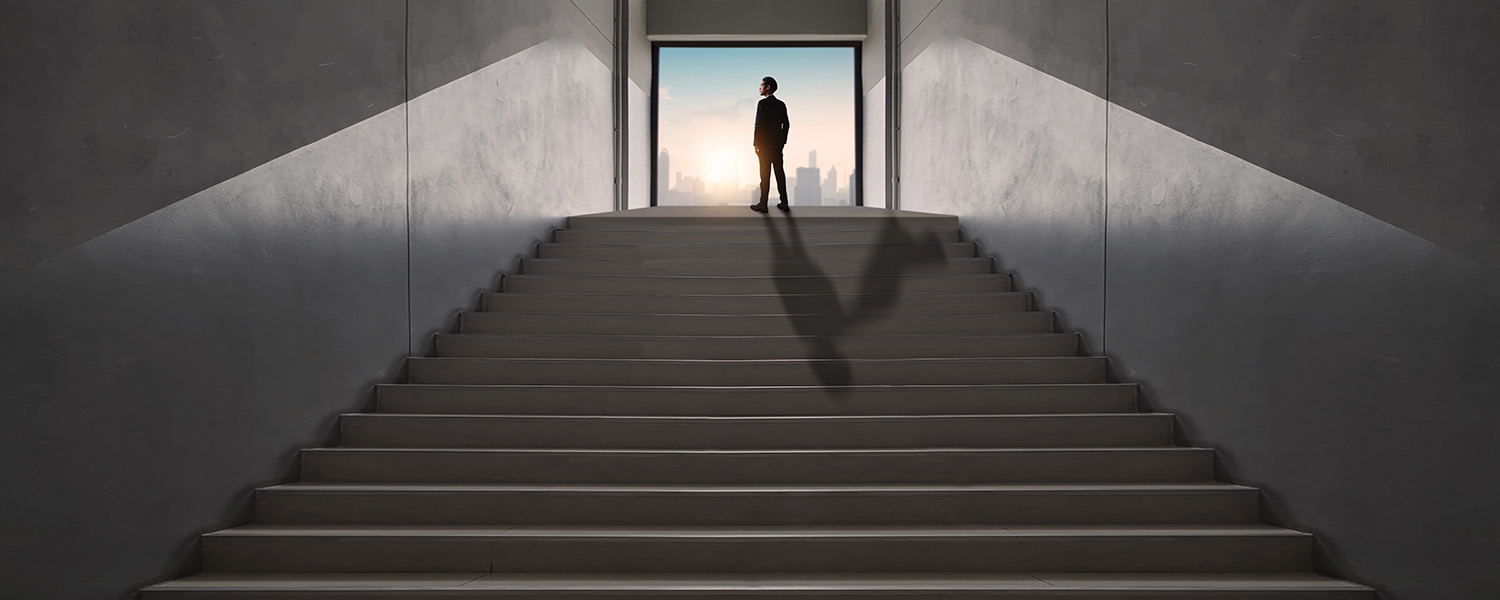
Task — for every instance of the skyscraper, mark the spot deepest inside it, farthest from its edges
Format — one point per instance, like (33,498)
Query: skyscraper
(831,186)
(663,171)
(852,175)
(812,159)
(808,192)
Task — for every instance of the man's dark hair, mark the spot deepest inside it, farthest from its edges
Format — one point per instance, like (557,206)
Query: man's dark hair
(771,81)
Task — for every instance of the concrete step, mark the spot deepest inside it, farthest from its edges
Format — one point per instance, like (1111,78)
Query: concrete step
(902,224)
(764,324)
(753,401)
(741,236)
(822,549)
(817,586)
(311,504)
(749,433)
(753,347)
(907,466)
(743,304)
(839,372)
(841,285)
(784,267)
(759,251)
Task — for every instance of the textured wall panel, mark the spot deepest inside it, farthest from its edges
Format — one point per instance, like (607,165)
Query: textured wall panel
(1020,156)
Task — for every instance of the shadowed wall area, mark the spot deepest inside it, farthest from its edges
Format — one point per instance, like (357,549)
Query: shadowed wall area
(227,220)
(1276,217)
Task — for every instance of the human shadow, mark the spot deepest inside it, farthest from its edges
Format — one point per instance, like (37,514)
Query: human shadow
(812,301)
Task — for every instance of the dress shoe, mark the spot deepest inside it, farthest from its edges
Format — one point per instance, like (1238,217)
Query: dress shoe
(760,208)
(784,208)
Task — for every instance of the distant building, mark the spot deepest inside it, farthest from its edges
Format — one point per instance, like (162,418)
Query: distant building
(831,187)
(852,175)
(808,192)
(663,170)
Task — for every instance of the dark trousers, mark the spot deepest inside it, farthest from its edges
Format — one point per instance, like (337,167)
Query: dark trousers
(771,157)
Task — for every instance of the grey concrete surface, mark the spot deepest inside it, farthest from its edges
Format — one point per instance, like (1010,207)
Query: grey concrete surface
(1299,256)
(233,177)
(158,101)
(1386,106)
(492,174)
(1017,153)
(768,19)
(453,38)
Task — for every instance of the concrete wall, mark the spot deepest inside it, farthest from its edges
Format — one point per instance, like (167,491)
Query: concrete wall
(1278,228)
(1018,153)
(722,20)
(206,248)
(872,75)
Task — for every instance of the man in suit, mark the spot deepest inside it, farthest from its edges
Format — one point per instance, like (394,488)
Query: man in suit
(771,127)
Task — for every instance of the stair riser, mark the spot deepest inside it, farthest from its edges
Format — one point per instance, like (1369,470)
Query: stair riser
(755,325)
(904,228)
(758,237)
(968,284)
(1173,554)
(1077,431)
(789,508)
(786,267)
(747,348)
(1100,466)
(1025,592)
(762,304)
(730,373)
(755,251)
(753,402)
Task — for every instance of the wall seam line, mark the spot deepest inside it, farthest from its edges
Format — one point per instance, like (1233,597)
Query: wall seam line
(924,20)
(406,116)
(586,18)
(1104,285)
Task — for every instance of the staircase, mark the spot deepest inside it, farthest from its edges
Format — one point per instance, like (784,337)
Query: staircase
(708,402)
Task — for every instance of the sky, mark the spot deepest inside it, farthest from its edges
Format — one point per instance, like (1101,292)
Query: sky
(706,110)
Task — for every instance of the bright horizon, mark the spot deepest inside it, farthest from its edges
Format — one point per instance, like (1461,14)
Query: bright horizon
(706,110)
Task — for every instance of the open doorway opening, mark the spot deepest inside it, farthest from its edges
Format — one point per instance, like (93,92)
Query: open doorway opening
(703,118)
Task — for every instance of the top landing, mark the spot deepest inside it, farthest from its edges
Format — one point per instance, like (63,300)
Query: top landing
(741,217)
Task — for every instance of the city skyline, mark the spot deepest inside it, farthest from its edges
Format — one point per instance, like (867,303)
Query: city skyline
(706,112)
(833,185)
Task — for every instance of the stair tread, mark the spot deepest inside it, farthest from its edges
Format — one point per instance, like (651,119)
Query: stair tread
(765,418)
(756,361)
(769,451)
(878,336)
(768,582)
(708,489)
(637,297)
(759,532)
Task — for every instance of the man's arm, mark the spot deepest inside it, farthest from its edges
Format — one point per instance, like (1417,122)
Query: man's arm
(786,124)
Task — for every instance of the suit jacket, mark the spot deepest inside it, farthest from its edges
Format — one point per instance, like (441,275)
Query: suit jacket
(771,125)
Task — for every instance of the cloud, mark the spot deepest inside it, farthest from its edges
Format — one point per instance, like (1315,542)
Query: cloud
(663,92)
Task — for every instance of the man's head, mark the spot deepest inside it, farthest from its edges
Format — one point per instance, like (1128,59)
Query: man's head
(767,86)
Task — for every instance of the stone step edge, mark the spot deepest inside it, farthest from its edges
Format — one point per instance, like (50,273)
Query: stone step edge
(763,533)
(925,450)
(768,419)
(754,584)
(1213,487)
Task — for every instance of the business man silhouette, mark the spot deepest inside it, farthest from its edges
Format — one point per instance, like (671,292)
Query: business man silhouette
(771,127)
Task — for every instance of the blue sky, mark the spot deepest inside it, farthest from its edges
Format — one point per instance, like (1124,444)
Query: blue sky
(707,108)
